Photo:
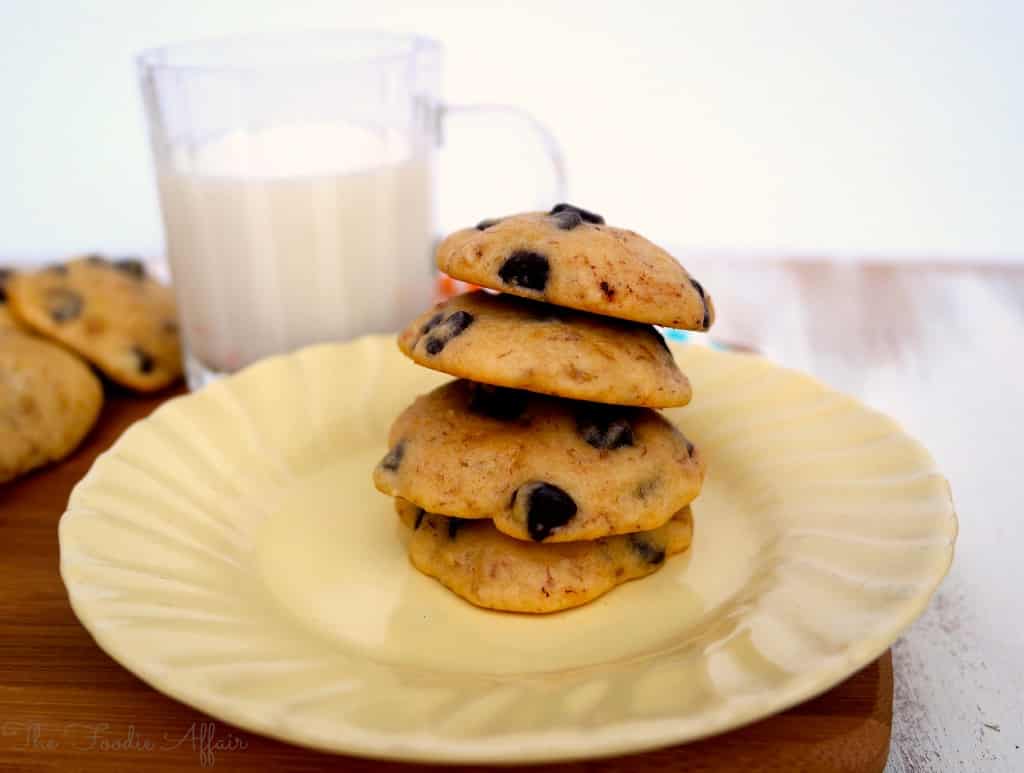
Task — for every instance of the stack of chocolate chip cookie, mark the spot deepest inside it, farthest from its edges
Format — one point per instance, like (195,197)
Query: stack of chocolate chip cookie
(543,477)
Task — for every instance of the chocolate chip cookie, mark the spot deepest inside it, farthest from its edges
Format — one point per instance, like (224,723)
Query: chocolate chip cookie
(487,568)
(109,312)
(570,257)
(542,468)
(49,400)
(512,342)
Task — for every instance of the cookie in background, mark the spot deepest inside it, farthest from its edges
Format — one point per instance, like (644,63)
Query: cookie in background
(109,312)
(49,398)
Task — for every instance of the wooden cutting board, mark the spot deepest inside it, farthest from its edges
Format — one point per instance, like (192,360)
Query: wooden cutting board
(65,705)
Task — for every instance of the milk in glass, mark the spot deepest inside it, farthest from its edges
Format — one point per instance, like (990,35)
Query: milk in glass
(295,235)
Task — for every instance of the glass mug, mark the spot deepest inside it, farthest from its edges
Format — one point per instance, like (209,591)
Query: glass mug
(296,178)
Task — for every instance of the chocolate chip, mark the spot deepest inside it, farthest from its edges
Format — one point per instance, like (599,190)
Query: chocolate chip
(144,361)
(608,290)
(705,322)
(589,217)
(96,259)
(497,402)
(445,331)
(547,508)
(393,458)
(689,448)
(170,327)
(420,512)
(604,427)
(483,225)
(63,304)
(57,268)
(459,321)
(429,325)
(5,274)
(647,552)
(454,524)
(525,269)
(433,322)
(133,267)
(568,219)
(646,487)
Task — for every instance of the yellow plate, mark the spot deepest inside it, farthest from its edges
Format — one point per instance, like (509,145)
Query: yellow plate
(231,551)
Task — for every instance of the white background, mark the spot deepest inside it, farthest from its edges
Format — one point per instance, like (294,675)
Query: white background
(821,128)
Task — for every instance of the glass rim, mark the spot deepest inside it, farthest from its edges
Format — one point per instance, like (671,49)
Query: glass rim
(408,45)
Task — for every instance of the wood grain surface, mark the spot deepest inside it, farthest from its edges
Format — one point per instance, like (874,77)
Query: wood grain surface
(936,346)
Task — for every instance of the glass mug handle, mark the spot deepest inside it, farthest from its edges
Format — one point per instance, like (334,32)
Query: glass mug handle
(519,121)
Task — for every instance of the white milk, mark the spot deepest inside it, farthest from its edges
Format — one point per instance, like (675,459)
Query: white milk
(297,235)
